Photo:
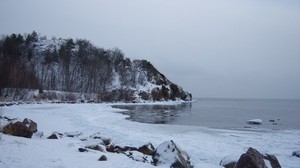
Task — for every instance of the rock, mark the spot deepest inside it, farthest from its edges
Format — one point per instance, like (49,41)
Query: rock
(31,125)
(252,158)
(229,165)
(73,134)
(102,158)
(137,156)
(127,148)
(229,161)
(169,153)
(97,147)
(254,122)
(147,149)
(106,141)
(296,153)
(22,129)
(55,135)
(273,161)
(82,150)
(110,148)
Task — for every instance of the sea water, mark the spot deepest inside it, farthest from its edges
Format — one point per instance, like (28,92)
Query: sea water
(221,113)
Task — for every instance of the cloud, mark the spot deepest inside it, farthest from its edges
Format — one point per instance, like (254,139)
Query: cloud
(213,48)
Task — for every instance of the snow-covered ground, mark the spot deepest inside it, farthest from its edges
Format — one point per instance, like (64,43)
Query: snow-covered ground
(206,147)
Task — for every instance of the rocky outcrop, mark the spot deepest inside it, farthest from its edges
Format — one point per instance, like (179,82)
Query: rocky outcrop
(169,153)
(254,159)
(26,128)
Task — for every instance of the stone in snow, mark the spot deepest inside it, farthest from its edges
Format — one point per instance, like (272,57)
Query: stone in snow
(26,128)
(169,153)
(296,153)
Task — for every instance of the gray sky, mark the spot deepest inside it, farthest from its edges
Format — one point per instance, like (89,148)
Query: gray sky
(212,48)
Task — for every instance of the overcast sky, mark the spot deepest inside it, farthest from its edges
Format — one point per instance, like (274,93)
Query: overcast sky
(212,48)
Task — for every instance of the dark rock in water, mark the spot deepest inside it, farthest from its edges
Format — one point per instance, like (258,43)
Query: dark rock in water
(296,153)
(102,158)
(82,150)
(254,122)
(273,161)
(22,129)
(252,158)
(147,149)
(271,120)
(169,153)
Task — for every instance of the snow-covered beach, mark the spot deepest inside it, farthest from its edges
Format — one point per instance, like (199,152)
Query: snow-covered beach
(206,146)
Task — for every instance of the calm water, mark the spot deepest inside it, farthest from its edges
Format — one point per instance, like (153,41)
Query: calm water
(221,113)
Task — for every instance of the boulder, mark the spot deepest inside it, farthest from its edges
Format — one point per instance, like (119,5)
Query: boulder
(22,129)
(55,135)
(97,147)
(147,149)
(32,126)
(252,158)
(169,153)
(110,148)
(102,158)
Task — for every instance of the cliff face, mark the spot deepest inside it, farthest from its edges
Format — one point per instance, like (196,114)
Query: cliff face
(35,62)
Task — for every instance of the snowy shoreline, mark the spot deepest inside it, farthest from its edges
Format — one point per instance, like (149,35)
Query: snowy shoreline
(206,146)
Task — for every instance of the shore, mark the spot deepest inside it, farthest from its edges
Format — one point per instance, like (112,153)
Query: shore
(206,146)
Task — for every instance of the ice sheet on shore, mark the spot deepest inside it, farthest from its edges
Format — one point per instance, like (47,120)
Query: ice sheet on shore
(206,147)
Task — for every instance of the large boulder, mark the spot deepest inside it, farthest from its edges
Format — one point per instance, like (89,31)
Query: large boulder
(22,129)
(169,153)
(252,158)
